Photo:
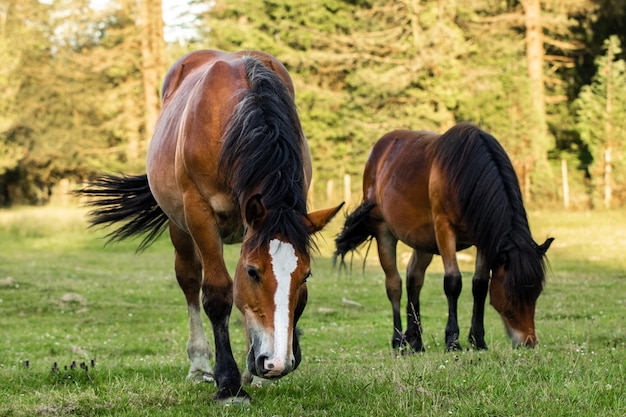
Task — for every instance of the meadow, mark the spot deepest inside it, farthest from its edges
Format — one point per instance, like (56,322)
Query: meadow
(94,330)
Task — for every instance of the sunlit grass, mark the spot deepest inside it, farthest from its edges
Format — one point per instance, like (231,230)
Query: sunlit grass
(44,224)
(65,297)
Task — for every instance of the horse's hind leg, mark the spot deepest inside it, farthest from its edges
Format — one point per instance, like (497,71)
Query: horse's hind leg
(480,287)
(189,275)
(393,283)
(415,273)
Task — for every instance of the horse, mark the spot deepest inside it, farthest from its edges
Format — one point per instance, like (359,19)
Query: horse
(440,194)
(228,163)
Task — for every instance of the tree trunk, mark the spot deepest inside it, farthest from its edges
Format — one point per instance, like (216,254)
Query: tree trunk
(535,58)
(608,127)
(414,7)
(608,189)
(565,180)
(153,60)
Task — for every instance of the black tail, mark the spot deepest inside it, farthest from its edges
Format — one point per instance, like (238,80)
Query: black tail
(356,230)
(126,199)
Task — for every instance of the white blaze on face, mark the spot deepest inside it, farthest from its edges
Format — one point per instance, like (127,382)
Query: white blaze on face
(284,262)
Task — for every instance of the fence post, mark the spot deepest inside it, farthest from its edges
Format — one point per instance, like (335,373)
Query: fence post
(330,191)
(565,183)
(311,195)
(347,191)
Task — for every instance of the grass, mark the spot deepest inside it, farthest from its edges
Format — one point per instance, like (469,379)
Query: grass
(65,298)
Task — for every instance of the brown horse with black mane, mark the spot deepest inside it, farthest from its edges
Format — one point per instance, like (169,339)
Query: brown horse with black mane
(228,163)
(440,194)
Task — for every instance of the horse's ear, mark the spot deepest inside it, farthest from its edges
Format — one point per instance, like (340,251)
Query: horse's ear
(255,211)
(546,245)
(318,219)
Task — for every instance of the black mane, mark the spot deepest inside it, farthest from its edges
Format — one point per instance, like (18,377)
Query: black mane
(490,200)
(262,154)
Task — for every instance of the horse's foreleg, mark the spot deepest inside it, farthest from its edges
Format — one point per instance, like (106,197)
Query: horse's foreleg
(217,296)
(217,302)
(480,287)
(393,283)
(452,285)
(189,275)
(415,272)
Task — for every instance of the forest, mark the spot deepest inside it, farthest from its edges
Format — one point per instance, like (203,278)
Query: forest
(80,81)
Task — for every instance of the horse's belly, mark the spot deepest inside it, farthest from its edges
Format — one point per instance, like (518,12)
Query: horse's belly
(422,237)
(409,221)
(416,229)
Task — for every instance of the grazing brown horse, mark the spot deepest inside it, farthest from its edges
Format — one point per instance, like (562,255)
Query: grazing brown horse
(228,163)
(440,194)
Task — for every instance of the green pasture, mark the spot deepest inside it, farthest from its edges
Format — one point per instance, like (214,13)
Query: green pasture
(120,318)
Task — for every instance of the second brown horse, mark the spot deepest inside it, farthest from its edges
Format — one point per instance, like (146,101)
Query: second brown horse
(440,194)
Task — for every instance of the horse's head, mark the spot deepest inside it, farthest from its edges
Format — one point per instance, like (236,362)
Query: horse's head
(516,299)
(271,290)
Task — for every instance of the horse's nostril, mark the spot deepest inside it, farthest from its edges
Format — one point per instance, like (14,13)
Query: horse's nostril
(260,363)
(531,341)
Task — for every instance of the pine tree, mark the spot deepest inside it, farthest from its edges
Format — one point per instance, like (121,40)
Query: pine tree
(600,110)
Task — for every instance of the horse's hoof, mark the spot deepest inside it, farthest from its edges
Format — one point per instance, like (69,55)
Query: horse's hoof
(479,346)
(227,398)
(255,381)
(454,347)
(477,343)
(198,377)
(247,378)
(258,382)
(418,348)
(234,401)
(398,343)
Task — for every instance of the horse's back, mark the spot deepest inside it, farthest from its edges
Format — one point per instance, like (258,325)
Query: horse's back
(189,123)
(199,95)
(189,63)
(396,179)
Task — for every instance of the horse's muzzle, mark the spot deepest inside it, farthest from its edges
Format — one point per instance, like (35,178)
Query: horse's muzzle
(271,368)
(519,339)
(264,366)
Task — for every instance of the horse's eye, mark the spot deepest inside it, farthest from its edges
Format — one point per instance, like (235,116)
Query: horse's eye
(306,276)
(253,274)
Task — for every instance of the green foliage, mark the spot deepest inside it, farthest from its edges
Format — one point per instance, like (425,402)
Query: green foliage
(72,102)
(606,90)
(19,44)
(10,152)
(600,110)
(65,298)
(359,70)
(363,71)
